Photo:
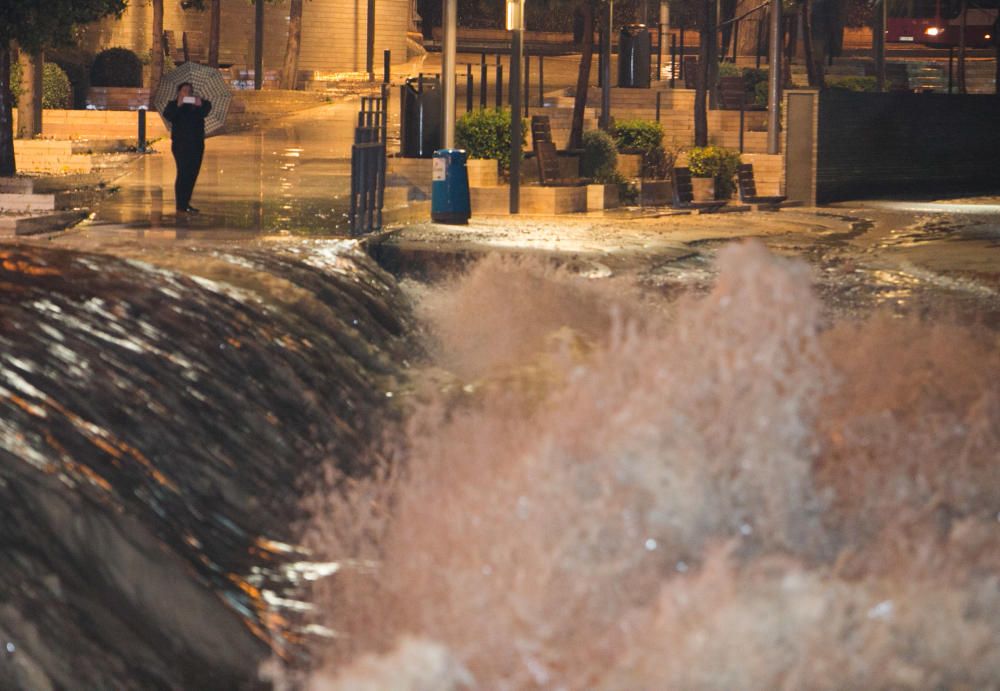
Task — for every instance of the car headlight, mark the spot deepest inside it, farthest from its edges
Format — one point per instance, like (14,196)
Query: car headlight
(932,31)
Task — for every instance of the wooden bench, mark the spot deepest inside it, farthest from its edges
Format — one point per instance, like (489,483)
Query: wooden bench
(748,188)
(684,193)
(549,173)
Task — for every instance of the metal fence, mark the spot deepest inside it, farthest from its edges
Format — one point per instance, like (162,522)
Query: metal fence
(368,164)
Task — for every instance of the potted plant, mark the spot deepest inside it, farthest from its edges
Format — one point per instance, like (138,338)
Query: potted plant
(599,162)
(485,136)
(644,139)
(716,166)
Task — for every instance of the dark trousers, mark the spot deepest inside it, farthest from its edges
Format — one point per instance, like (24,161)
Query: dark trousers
(188,157)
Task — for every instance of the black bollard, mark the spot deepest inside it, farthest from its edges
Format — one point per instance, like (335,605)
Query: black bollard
(141,146)
(468,88)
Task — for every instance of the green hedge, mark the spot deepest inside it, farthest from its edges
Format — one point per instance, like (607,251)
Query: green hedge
(116,67)
(56,91)
(637,136)
(715,162)
(600,157)
(852,83)
(486,134)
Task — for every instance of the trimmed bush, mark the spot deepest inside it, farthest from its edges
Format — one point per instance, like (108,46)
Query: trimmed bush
(637,136)
(56,90)
(116,67)
(853,83)
(729,69)
(645,137)
(486,134)
(600,157)
(715,162)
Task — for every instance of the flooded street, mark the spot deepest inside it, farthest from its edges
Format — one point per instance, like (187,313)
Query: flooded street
(626,451)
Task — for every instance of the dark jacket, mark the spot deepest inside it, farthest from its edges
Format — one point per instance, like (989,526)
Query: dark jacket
(187,121)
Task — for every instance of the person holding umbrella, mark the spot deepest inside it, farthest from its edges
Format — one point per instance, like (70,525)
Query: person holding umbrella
(186,115)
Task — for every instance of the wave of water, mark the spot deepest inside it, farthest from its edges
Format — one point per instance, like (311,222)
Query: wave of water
(159,417)
(732,491)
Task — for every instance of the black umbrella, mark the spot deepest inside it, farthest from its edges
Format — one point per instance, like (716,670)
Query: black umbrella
(208,83)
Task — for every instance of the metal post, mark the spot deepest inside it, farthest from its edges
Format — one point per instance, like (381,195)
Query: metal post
(951,58)
(680,55)
(386,65)
(878,44)
(527,82)
(774,81)
(541,81)
(499,83)
(606,75)
(516,51)
(448,72)
(370,54)
(741,126)
(658,95)
(673,59)
(141,147)
(469,88)
(258,45)
(482,80)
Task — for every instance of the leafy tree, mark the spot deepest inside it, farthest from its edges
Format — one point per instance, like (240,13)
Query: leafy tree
(33,25)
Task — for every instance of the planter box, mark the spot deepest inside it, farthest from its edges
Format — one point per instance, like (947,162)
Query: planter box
(656,193)
(116,98)
(483,172)
(602,197)
(703,189)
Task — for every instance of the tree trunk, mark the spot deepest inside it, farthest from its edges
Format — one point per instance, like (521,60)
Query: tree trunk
(813,67)
(749,30)
(878,43)
(29,105)
(706,35)
(292,48)
(712,76)
(7,167)
(214,29)
(583,76)
(996,44)
(156,68)
(963,9)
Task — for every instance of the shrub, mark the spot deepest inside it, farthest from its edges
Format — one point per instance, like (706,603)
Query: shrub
(55,85)
(600,157)
(116,67)
(645,137)
(79,80)
(852,83)
(637,136)
(56,90)
(728,69)
(486,134)
(715,162)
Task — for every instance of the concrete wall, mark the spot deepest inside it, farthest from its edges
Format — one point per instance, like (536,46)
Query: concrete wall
(872,145)
(333,33)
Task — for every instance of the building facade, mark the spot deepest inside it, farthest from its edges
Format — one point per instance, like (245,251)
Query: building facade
(334,32)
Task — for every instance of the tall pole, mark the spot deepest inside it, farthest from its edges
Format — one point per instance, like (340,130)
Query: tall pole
(605,122)
(774,81)
(370,56)
(878,44)
(258,45)
(449,49)
(516,52)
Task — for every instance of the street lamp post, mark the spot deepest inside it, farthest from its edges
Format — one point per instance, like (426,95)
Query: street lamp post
(448,51)
(774,81)
(515,24)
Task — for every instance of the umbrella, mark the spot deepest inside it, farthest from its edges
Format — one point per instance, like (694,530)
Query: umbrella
(208,83)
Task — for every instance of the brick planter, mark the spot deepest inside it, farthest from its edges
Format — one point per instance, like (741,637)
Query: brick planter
(703,189)
(602,197)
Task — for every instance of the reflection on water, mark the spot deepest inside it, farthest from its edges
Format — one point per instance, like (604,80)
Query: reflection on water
(292,177)
(155,425)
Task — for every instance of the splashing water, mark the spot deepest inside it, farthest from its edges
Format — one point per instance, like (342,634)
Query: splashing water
(724,493)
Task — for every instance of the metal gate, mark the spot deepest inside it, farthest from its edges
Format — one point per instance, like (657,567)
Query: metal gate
(368,164)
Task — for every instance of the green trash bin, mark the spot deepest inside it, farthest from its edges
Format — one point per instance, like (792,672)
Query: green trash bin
(450,188)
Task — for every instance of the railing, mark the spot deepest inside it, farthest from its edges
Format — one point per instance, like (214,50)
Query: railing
(368,164)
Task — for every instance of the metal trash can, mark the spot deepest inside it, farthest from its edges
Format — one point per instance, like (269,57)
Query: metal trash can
(634,51)
(420,117)
(450,188)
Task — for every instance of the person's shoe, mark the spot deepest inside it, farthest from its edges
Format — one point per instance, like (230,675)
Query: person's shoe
(192,210)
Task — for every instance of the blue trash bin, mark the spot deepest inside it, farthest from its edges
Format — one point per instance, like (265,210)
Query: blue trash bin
(450,188)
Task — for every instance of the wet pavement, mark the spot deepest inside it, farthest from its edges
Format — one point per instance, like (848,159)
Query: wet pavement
(291,177)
